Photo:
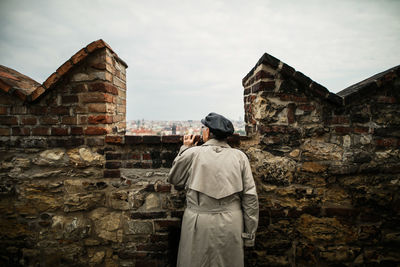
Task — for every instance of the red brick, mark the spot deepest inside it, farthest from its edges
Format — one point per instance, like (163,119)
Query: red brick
(95,45)
(3,110)
(64,68)
(386,142)
(306,107)
(97,119)
(48,120)
(146,156)
(386,99)
(76,130)
(79,56)
(343,130)
(8,120)
(59,110)
(21,131)
(29,121)
(69,99)
(95,130)
(98,107)
(99,66)
(38,92)
(103,87)
(113,165)
(4,131)
(40,131)
(96,97)
(112,174)
(59,131)
(82,120)
(361,130)
(38,110)
(114,139)
(51,80)
(68,120)
(80,88)
(163,188)
(339,120)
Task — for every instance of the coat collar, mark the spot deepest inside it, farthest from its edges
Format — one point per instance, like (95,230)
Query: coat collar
(215,142)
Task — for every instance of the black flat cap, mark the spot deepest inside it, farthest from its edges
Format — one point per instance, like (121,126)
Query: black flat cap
(218,124)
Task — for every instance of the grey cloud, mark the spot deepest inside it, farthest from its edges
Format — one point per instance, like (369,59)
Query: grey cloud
(187,58)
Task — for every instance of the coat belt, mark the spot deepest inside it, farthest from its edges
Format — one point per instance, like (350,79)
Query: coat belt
(233,206)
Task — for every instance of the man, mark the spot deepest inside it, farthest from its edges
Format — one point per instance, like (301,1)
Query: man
(222,206)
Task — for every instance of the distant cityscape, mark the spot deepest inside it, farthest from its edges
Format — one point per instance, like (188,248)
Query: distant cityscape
(154,127)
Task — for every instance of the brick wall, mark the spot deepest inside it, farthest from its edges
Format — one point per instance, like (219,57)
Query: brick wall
(327,168)
(74,190)
(82,103)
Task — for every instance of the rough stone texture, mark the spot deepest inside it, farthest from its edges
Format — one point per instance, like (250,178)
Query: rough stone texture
(74,190)
(327,170)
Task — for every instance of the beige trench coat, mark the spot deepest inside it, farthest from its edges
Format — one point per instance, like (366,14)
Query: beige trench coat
(222,206)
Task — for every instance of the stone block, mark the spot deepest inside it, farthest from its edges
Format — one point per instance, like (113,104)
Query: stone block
(313,167)
(325,230)
(135,227)
(83,201)
(92,130)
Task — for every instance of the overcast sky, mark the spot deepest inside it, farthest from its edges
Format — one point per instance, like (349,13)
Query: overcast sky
(187,58)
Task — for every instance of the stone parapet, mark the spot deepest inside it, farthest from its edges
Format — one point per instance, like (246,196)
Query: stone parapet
(327,168)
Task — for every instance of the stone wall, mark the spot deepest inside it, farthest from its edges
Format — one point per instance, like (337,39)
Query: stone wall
(74,190)
(327,168)
(66,206)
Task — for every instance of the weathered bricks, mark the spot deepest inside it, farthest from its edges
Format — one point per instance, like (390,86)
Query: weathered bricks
(59,131)
(96,97)
(21,131)
(69,99)
(91,130)
(29,120)
(8,120)
(114,139)
(100,119)
(53,78)
(103,87)
(79,56)
(41,131)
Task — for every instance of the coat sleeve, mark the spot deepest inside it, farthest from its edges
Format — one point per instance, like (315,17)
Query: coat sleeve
(249,205)
(180,170)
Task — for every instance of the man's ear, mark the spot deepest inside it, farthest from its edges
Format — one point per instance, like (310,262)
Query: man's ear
(208,132)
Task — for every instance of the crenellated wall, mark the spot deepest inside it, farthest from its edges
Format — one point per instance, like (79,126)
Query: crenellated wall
(74,190)
(327,168)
